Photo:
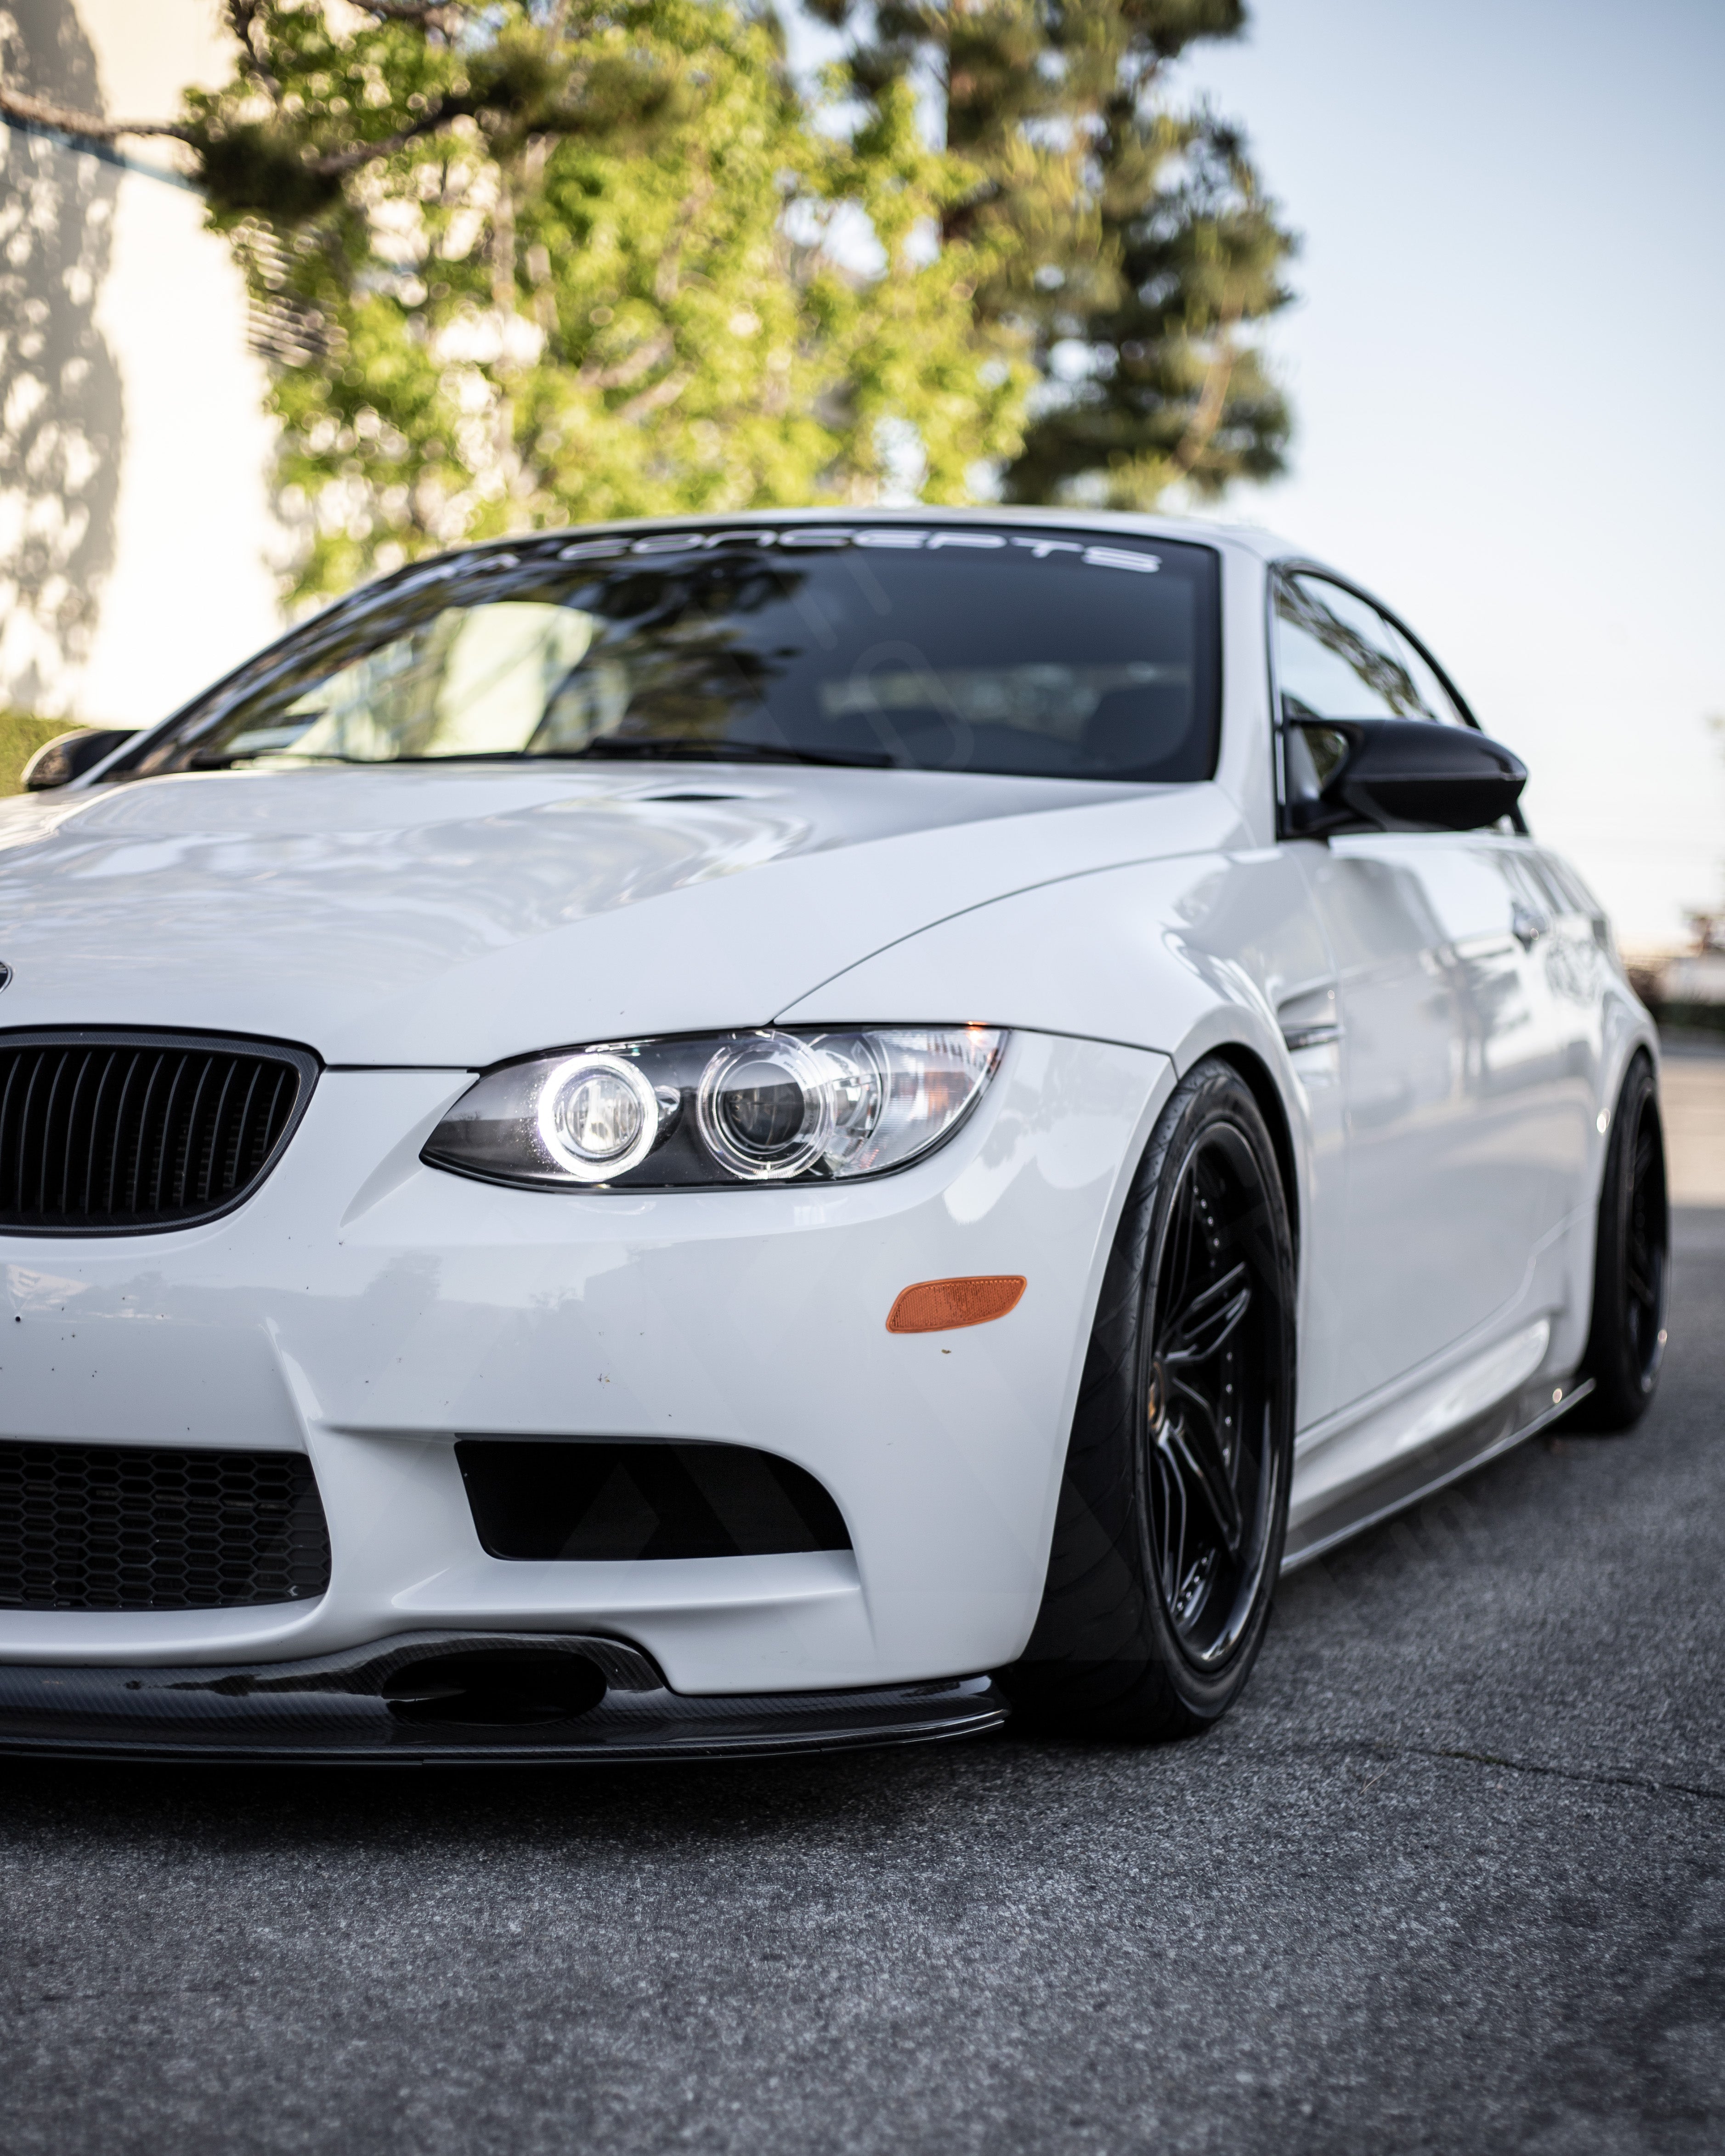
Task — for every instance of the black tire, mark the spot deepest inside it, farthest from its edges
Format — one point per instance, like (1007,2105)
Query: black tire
(1632,1262)
(1151,1616)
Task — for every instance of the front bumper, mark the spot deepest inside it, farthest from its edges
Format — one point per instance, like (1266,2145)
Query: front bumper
(370,1312)
(384,1704)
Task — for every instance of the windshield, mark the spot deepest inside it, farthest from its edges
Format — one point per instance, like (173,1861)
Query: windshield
(945,650)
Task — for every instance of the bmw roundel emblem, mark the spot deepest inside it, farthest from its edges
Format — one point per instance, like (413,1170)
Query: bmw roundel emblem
(5,973)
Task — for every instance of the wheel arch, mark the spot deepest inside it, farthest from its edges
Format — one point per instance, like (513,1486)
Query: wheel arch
(1264,1090)
(1625,1045)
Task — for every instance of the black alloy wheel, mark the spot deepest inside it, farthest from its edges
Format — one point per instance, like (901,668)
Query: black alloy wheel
(1211,1460)
(1632,1261)
(1173,1505)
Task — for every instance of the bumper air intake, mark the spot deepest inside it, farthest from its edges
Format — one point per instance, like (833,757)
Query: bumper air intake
(112,1526)
(594,1500)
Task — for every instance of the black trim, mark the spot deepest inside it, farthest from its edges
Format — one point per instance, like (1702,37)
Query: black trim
(305,1064)
(1391,1486)
(382,1702)
(130,1527)
(69,755)
(1406,775)
(596,1500)
(1296,565)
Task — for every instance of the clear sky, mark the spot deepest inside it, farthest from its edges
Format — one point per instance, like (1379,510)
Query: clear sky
(1508,367)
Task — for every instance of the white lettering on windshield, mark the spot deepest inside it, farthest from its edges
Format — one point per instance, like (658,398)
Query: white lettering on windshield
(894,535)
(1117,557)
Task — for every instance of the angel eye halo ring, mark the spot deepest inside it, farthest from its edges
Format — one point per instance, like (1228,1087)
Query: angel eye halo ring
(756,1106)
(596,1116)
(762,1107)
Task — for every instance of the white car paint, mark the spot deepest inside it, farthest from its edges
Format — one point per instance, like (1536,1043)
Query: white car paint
(1444,1038)
(374,1309)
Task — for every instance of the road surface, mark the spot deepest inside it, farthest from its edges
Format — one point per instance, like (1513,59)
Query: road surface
(1451,1878)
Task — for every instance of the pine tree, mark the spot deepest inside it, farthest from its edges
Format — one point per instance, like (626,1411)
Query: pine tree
(1143,251)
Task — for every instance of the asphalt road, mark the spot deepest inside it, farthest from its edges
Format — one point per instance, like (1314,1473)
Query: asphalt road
(1451,1878)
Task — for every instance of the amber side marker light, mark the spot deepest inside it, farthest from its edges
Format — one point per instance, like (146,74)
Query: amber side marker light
(943,1306)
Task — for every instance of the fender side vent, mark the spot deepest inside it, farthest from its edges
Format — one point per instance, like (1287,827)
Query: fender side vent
(597,1500)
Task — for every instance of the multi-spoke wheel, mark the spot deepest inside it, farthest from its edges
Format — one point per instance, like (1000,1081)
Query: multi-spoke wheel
(1631,1259)
(1174,1500)
(1208,1415)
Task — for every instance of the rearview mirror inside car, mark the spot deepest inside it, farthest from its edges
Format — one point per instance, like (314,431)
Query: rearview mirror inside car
(1395,775)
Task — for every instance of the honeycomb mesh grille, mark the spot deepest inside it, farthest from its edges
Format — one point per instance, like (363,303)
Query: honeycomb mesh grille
(108,1526)
(104,1133)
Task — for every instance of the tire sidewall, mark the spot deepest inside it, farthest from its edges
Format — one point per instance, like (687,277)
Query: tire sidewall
(1102,1660)
(1212,1094)
(1623,1385)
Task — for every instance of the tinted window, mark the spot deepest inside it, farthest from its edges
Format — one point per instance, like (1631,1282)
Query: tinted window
(955,651)
(1337,657)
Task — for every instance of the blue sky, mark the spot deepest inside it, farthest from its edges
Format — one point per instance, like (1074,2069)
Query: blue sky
(1505,365)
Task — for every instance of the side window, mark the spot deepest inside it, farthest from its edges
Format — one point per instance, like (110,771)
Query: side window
(1336,657)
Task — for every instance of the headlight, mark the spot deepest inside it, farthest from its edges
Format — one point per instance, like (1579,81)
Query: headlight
(595,1117)
(738,1108)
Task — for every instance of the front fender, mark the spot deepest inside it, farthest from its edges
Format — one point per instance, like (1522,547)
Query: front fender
(1184,957)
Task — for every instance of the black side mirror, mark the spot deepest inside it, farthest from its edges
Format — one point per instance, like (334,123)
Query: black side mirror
(1395,775)
(69,756)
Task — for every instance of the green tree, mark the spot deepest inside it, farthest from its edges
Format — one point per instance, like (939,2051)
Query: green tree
(583,294)
(544,260)
(1135,252)
(520,263)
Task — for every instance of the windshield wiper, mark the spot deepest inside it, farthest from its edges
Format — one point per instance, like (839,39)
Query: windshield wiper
(674,748)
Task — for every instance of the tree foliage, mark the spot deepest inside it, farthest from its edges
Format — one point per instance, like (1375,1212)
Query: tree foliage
(518,263)
(1137,251)
(532,264)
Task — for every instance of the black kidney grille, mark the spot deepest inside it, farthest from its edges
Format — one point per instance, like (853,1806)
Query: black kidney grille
(104,1133)
(110,1527)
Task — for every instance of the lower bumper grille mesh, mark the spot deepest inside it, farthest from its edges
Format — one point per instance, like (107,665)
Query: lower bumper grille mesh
(110,1527)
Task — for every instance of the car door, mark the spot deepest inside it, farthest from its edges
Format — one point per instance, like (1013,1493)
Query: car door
(1564,939)
(1453,1101)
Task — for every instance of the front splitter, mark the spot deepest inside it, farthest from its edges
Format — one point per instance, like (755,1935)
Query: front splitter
(366,1707)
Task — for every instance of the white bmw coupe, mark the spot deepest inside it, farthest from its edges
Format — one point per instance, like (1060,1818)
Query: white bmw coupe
(775,1132)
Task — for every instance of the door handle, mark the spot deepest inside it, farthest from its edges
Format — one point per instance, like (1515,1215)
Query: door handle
(1527,926)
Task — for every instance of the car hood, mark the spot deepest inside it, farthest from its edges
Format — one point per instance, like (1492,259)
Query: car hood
(457,917)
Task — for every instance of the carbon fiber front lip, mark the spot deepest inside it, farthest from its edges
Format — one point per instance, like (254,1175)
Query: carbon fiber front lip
(333,1710)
